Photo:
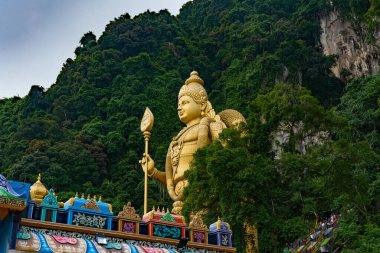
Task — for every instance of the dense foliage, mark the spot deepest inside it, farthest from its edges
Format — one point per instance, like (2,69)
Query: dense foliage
(285,196)
(83,134)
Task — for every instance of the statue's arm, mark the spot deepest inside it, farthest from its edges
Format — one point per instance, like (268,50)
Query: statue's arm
(153,172)
(169,177)
(204,132)
(159,175)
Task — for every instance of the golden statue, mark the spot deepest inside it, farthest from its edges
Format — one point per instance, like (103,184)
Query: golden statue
(202,127)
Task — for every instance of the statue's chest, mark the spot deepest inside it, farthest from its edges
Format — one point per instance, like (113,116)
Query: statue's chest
(184,145)
(191,135)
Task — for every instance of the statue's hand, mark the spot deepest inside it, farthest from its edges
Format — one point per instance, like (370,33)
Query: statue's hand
(150,164)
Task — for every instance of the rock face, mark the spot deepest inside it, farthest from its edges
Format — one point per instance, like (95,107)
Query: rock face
(286,129)
(355,56)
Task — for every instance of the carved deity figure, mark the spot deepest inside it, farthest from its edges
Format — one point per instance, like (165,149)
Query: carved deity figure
(202,127)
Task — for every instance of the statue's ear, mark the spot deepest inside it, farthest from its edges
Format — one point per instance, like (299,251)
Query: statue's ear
(203,106)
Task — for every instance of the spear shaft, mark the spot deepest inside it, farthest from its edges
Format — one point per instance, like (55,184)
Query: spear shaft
(146,137)
(146,128)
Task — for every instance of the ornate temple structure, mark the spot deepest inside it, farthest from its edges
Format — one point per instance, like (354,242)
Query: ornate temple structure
(32,220)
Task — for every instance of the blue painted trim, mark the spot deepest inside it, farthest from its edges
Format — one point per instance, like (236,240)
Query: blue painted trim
(133,248)
(90,247)
(31,205)
(44,245)
(219,238)
(6,231)
(109,223)
(70,218)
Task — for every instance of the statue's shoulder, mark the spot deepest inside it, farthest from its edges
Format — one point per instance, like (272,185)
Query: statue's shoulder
(226,119)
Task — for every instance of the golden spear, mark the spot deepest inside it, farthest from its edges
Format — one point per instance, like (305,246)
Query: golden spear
(146,128)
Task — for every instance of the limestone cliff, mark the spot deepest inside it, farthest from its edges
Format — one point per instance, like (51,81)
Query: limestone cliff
(355,57)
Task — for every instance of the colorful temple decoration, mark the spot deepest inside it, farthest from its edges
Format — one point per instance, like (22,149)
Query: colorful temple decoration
(32,220)
(9,199)
(165,225)
(128,220)
(223,233)
(88,212)
(198,230)
(49,207)
(35,242)
(319,238)
(11,203)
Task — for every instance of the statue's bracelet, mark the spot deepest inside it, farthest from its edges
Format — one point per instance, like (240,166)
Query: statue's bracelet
(153,173)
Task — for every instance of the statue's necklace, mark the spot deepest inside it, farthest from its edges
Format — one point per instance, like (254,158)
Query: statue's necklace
(176,146)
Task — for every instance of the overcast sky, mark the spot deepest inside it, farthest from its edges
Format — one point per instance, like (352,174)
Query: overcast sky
(37,36)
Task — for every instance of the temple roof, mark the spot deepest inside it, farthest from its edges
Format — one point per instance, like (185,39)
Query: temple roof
(220,226)
(89,204)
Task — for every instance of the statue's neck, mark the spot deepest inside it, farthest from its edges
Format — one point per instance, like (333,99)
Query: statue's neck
(193,122)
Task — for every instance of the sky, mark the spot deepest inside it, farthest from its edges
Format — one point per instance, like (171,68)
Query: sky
(37,36)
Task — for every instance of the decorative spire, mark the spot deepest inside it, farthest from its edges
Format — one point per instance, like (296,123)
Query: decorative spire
(38,190)
(218,223)
(100,198)
(95,197)
(76,195)
(194,78)
(82,197)
(88,196)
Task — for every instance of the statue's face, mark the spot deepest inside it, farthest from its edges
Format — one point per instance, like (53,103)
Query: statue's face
(188,109)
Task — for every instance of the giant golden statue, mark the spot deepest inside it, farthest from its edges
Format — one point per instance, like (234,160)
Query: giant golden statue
(202,126)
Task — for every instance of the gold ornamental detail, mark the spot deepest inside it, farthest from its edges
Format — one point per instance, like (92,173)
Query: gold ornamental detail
(128,212)
(91,205)
(197,222)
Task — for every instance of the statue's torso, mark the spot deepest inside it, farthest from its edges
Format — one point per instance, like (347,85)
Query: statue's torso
(182,150)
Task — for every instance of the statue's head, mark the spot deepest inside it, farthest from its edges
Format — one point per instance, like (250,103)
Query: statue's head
(193,88)
(192,99)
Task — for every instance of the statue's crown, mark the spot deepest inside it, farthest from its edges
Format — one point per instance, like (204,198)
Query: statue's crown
(193,87)
(194,78)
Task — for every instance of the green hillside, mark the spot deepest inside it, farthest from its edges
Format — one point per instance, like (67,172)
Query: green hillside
(82,134)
